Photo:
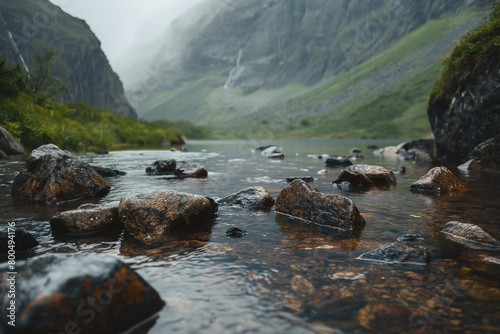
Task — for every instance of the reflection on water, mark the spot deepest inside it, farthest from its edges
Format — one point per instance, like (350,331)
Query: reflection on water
(284,276)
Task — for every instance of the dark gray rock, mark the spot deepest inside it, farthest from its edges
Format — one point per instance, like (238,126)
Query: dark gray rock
(236,232)
(334,162)
(252,197)
(398,252)
(107,172)
(22,241)
(470,235)
(52,175)
(93,219)
(177,169)
(8,144)
(84,293)
(365,176)
(303,178)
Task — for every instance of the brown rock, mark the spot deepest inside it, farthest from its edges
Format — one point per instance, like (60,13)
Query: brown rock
(86,220)
(179,169)
(470,235)
(84,293)
(8,144)
(438,180)
(301,200)
(384,318)
(52,175)
(152,217)
(252,197)
(302,286)
(398,252)
(365,176)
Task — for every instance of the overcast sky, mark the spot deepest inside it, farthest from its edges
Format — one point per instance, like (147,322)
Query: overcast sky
(118,23)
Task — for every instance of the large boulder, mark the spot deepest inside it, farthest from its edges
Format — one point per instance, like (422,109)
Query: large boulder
(8,144)
(438,180)
(301,200)
(470,235)
(398,252)
(178,169)
(86,219)
(252,197)
(364,176)
(52,175)
(77,294)
(157,216)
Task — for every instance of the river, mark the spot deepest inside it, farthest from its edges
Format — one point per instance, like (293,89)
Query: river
(284,278)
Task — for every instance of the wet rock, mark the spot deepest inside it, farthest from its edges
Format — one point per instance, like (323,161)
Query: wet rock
(279,156)
(302,286)
(391,152)
(470,235)
(179,169)
(411,237)
(336,162)
(438,180)
(384,318)
(303,178)
(398,252)
(101,152)
(21,240)
(252,197)
(154,217)
(94,219)
(398,170)
(3,155)
(365,176)
(470,166)
(341,309)
(83,293)
(8,144)
(301,200)
(236,232)
(423,145)
(268,150)
(52,175)
(107,172)
(355,151)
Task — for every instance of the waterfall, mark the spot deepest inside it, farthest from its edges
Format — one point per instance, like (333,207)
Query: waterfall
(14,45)
(233,70)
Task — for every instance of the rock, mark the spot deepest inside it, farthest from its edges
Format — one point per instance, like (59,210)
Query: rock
(419,156)
(303,178)
(179,169)
(372,147)
(8,144)
(52,175)
(364,176)
(355,151)
(102,152)
(424,145)
(301,200)
(280,156)
(94,219)
(107,172)
(23,241)
(398,170)
(252,197)
(334,162)
(470,166)
(489,154)
(236,232)
(302,286)
(268,150)
(411,237)
(80,293)
(156,216)
(438,180)
(385,318)
(341,309)
(3,155)
(470,235)
(398,252)
(388,152)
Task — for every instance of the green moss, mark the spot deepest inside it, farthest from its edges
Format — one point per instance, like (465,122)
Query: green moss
(474,54)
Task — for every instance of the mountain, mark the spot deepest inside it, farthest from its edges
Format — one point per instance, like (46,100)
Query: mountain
(28,27)
(323,68)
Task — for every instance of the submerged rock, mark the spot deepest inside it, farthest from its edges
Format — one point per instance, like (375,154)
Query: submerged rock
(470,235)
(8,144)
(252,197)
(52,175)
(155,216)
(385,318)
(107,172)
(301,200)
(85,219)
(22,241)
(236,232)
(84,293)
(364,176)
(179,169)
(438,180)
(336,162)
(398,252)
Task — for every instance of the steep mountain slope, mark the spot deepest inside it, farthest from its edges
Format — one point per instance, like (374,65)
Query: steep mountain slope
(308,68)
(29,26)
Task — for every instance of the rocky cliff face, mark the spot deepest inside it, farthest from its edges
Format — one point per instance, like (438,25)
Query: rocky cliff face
(469,117)
(29,26)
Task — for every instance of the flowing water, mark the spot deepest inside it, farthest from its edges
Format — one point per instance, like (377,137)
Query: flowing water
(288,278)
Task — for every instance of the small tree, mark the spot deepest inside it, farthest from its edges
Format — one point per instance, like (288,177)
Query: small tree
(11,80)
(41,83)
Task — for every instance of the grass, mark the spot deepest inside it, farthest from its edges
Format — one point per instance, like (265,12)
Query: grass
(76,127)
